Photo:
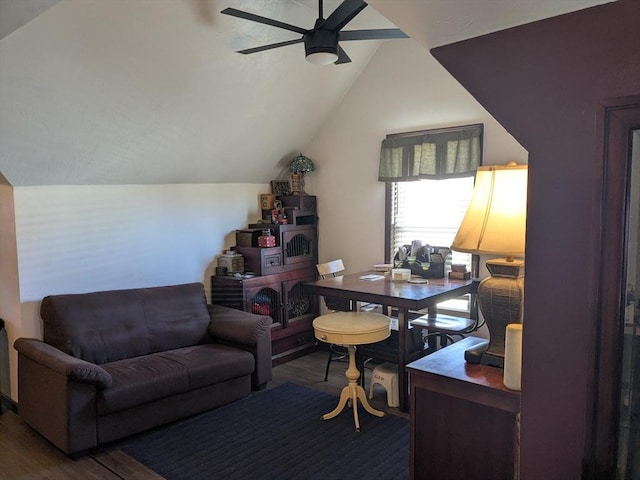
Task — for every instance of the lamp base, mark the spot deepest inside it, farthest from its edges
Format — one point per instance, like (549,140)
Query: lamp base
(500,298)
(297,184)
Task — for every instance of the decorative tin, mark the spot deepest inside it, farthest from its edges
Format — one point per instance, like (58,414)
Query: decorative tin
(233,263)
(266,240)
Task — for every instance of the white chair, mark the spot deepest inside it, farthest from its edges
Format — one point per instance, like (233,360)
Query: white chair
(332,269)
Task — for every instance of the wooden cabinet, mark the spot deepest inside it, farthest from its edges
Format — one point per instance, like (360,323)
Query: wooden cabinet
(296,248)
(283,298)
(277,288)
(464,421)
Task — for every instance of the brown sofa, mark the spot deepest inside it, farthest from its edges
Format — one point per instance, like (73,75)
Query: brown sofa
(119,362)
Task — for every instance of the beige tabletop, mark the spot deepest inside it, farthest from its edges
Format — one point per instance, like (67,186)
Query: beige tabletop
(352,328)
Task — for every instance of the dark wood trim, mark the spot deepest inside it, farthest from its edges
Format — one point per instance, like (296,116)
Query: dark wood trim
(616,121)
(388,202)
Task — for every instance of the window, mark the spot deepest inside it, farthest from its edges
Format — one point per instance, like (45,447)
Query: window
(430,211)
(430,176)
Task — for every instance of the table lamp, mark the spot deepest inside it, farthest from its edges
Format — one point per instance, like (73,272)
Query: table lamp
(495,224)
(298,166)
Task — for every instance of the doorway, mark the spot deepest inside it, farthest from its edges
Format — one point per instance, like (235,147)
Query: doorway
(629,424)
(614,449)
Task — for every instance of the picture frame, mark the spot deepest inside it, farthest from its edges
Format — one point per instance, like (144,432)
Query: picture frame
(280,187)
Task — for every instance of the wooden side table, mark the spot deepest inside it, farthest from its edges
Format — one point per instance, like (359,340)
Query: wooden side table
(464,421)
(349,329)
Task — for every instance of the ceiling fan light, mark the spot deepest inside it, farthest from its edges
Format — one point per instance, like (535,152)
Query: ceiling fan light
(322,58)
(321,47)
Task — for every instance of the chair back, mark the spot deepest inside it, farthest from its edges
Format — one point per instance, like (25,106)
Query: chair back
(331,269)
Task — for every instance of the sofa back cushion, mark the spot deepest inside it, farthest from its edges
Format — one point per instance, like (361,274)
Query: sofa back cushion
(102,327)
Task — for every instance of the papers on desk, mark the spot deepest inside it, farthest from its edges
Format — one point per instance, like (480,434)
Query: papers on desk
(371,277)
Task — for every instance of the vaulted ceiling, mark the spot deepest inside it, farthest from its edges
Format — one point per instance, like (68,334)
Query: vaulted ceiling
(140,92)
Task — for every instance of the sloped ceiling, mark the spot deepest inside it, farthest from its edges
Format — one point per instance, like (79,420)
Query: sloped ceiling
(139,92)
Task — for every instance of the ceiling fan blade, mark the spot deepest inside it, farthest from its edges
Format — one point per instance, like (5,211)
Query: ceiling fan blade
(342,15)
(270,46)
(342,56)
(267,21)
(379,34)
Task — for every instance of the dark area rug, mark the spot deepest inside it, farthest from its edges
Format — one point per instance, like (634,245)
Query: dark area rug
(277,434)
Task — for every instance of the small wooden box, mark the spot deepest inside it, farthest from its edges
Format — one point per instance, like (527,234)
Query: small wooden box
(459,275)
(262,261)
(300,217)
(248,238)
(306,203)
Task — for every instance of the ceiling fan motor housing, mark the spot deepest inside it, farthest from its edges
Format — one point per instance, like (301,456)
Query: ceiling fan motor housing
(321,41)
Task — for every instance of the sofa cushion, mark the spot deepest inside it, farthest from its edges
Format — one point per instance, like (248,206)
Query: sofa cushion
(102,327)
(151,377)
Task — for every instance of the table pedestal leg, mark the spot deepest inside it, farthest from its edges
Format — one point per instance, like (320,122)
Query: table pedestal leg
(353,392)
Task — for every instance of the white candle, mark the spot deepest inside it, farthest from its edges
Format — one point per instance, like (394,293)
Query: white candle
(513,356)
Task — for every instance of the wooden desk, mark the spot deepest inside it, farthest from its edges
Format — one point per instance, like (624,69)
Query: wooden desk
(402,295)
(463,418)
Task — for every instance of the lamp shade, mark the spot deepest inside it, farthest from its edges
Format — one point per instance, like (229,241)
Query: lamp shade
(301,164)
(495,222)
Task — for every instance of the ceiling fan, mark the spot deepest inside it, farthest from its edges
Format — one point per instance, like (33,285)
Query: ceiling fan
(321,42)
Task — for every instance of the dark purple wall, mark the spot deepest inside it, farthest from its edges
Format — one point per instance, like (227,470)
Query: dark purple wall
(544,82)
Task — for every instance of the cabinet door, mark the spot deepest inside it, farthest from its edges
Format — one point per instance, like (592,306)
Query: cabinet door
(266,301)
(300,307)
(299,246)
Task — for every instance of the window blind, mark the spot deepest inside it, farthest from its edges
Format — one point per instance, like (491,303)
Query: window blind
(430,211)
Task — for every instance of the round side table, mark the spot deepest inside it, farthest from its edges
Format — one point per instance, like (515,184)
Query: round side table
(350,329)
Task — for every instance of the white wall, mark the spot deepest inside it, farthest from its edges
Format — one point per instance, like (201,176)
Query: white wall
(403,88)
(74,239)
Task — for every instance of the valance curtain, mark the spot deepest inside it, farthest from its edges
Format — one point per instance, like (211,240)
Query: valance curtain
(433,154)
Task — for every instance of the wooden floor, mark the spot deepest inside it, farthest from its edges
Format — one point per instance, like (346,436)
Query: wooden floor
(24,454)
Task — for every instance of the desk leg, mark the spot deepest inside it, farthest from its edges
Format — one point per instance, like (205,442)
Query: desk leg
(403,383)
(353,392)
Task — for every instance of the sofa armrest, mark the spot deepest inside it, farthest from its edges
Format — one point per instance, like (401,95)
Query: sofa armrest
(71,367)
(54,397)
(247,331)
(237,325)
